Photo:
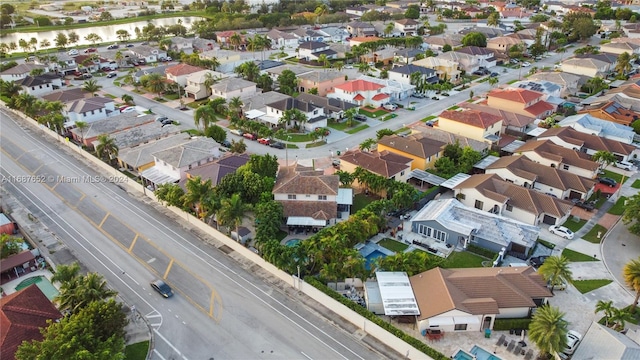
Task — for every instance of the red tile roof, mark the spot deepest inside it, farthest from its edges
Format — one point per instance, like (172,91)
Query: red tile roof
(358,97)
(475,118)
(539,108)
(22,314)
(380,96)
(182,69)
(359,85)
(518,95)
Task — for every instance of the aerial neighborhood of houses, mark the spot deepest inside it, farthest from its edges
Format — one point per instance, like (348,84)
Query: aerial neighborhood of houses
(495,131)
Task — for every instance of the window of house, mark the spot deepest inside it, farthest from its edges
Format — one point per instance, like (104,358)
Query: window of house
(322,197)
(460,327)
(509,207)
(291,197)
(479,204)
(402,173)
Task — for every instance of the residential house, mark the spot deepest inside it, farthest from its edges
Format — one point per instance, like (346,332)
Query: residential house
(201,45)
(23,315)
(512,123)
(503,43)
(360,92)
(20,71)
(333,108)
(142,134)
(586,67)
(445,68)
(407,27)
(569,83)
(323,81)
(196,83)
(311,50)
(148,53)
(612,111)
(385,56)
(40,84)
(361,29)
(65,65)
(486,57)
(547,153)
(488,192)
(455,225)
(307,35)
(521,171)
(467,63)
(359,40)
(152,70)
(397,91)
(334,34)
(422,150)
(139,158)
(357,10)
(588,124)
(471,299)
(473,124)
(402,74)
(632,31)
(224,39)
(620,47)
(296,69)
(627,94)
(88,63)
(90,109)
(436,43)
(407,56)
(179,73)
(488,32)
(314,113)
(178,44)
(255,107)
(427,130)
(267,64)
(547,88)
(109,126)
(571,138)
(310,198)
(216,169)
(67,95)
(282,39)
(527,36)
(520,101)
(382,163)
(233,87)
(171,164)
(602,342)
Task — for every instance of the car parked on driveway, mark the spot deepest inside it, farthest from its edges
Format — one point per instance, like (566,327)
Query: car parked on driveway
(587,205)
(561,231)
(112,74)
(624,165)
(607,181)
(359,117)
(162,288)
(573,339)
(264,141)
(537,261)
(276,145)
(390,107)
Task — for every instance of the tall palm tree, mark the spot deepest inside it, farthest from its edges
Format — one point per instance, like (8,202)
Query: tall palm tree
(128,99)
(604,158)
(364,67)
(232,211)
(554,269)
(619,318)
(623,65)
(106,147)
(631,274)
(27,103)
(81,126)
(323,59)
(80,291)
(205,115)
(119,57)
(548,329)
(607,308)
(197,191)
(388,29)
(10,88)
(235,105)
(235,40)
(65,273)
(367,144)
(91,86)
(155,83)
(493,81)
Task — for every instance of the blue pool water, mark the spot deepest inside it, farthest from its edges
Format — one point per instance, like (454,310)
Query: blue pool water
(292,242)
(370,252)
(462,355)
(482,354)
(369,259)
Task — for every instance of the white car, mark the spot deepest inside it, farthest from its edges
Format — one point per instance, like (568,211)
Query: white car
(72,52)
(128,109)
(561,231)
(624,165)
(390,107)
(348,66)
(236,132)
(526,64)
(573,339)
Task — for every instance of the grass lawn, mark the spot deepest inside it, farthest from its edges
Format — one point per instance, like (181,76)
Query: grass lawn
(389,117)
(393,245)
(193,132)
(575,256)
(592,235)
(574,225)
(137,351)
(584,286)
(636,184)
(296,137)
(546,244)
(110,96)
(615,176)
(359,128)
(429,118)
(454,107)
(512,81)
(341,126)
(171,96)
(373,114)
(292,146)
(160,100)
(463,259)
(360,201)
(618,207)
(316,144)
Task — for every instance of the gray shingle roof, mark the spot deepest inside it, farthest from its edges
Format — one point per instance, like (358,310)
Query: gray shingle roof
(188,153)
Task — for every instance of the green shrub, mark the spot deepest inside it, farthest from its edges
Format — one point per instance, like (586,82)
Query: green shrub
(375,319)
(508,324)
(481,251)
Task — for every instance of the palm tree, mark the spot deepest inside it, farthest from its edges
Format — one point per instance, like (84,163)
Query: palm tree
(367,144)
(323,59)
(338,65)
(93,38)
(80,291)
(81,125)
(197,191)
(235,40)
(232,211)
(494,19)
(493,81)
(607,308)
(388,29)
(623,66)
(604,158)
(128,99)
(91,86)
(631,274)
(27,103)
(106,147)
(205,115)
(65,273)
(596,84)
(45,44)
(209,80)
(10,88)
(548,329)
(119,57)
(555,269)
(155,83)
(364,67)
(619,318)
(235,106)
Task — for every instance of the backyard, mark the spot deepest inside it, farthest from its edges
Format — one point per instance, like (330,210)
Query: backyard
(393,245)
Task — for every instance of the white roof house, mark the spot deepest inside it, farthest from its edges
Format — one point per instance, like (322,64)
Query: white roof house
(588,124)
(396,293)
(600,342)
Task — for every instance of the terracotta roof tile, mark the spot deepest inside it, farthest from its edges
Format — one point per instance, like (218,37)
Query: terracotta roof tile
(359,85)
(547,149)
(182,69)
(517,95)
(292,181)
(475,118)
(319,210)
(381,163)
(415,145)
(593,142)
(380,96)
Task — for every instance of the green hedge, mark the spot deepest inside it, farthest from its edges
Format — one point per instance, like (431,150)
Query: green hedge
(481,251)
(508,324)
(375,319)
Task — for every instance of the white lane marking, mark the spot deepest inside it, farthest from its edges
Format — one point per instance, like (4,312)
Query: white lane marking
(168,343)
(307,356)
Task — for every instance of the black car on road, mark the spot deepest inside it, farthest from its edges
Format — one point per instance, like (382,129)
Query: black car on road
(161,287)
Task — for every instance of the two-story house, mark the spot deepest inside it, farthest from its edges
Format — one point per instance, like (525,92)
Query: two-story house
(197,83)
(436,43)
(361,29)
(361,92)
(586,67)
(503,43)
(282,39)
(233,87)
(357,10)
(298,70)
(403,74)
(40,84)
(473,124)
(323,81)
(224,39)
(383,163)
(467,63)
(307,35)
(406,27)
(90,109)
(171,164)
(20,71)
(573,139)
(202,45)
(179,73)
(396,90)
(547,153)
(334,34)
(149,53)
(488,192)
(314,113)
(333,108)
(422,150)
(179,43)
(569,83)
(311,50)
(407,56)
(520,101)
(519,170)
(445,68)
(486,58)
(512,123)
(310,198)
(65,65)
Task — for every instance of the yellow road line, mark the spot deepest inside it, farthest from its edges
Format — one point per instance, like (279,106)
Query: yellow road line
(104,219)
(133,243)
(166,273)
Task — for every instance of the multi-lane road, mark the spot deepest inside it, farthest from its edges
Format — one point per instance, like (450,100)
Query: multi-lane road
(220,311)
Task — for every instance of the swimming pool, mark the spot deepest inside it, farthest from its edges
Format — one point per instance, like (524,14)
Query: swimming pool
(370,252)
(43,283)
(292,242)
(462,355)
(369,259)
(482,354)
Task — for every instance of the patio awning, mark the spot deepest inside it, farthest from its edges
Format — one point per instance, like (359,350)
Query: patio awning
(305,221)
(252,114)
(426,177)
(511,148)
(16,260)
(345,197)
(455,180)
(158,177)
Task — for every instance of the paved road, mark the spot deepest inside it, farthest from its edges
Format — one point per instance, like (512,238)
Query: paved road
(220,310)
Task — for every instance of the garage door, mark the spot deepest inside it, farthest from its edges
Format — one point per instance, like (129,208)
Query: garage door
(549,220)
(575,195)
